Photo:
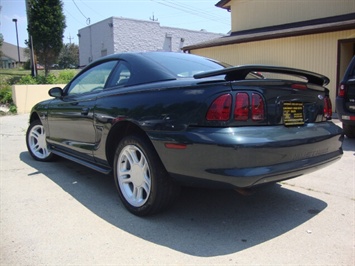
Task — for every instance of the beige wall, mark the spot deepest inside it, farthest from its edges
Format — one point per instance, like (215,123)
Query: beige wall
(26,96)
(251,14)
(317,53)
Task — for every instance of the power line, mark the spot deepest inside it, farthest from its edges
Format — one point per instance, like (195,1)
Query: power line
(74,17)
(87,19)
(196,11)
(193,11)
(95,11)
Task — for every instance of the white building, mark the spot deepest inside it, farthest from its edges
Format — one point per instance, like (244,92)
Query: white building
(116,35)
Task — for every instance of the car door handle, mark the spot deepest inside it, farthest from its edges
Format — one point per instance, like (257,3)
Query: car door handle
(85,111)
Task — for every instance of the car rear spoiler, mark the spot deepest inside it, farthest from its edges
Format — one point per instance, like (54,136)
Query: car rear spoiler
(240,73)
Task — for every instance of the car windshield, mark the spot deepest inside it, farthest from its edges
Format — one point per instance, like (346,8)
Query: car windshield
(185,65)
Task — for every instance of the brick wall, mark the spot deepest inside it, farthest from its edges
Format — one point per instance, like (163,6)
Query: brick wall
(116,35)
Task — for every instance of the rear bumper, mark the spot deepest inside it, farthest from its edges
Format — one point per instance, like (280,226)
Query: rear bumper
(344,115)
(248,156)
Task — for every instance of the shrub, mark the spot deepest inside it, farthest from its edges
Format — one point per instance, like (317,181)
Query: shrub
(6,95)
(27,65)
(13,109)
(28,79)
(49,79)
(6,98)
(65,76)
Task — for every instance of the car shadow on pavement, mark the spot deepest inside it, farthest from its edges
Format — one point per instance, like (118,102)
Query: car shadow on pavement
(349,144)
(203,222)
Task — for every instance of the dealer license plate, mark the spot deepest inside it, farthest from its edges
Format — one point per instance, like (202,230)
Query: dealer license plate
(293,113)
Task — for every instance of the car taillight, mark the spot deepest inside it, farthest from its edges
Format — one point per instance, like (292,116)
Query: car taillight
(220,109)
(341,90)
(246,107)
(299,86)
(327,108)
(257,107)
(241,107)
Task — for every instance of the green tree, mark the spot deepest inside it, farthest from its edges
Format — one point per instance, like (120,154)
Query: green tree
(1,41)
(69,56)
(46,24)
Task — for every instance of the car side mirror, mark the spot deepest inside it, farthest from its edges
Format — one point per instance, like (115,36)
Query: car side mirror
(56,92)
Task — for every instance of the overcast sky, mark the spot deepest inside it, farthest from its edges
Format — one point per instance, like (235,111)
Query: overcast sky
(192,14)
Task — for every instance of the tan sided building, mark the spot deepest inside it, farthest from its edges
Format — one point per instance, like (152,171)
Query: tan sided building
(316,35)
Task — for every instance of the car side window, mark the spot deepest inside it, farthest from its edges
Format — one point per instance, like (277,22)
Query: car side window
(352,73)
(121,75)
(94,79)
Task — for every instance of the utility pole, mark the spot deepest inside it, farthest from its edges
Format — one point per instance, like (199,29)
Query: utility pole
(153,18)
(18,46)
(70,38)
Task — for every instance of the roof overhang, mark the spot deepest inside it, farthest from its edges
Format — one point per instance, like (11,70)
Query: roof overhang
(225,4)
(330,24)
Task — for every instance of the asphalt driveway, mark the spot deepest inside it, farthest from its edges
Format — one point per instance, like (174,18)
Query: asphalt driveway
(61,213)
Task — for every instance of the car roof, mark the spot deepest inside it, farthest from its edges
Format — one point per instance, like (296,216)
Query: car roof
(140,55)
(143,69)
(147,67)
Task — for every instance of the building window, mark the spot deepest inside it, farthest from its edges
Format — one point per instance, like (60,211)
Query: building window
(168,42)
(103,52)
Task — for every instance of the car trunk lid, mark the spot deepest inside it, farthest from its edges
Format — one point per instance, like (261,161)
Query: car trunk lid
(288,103)
(289,96)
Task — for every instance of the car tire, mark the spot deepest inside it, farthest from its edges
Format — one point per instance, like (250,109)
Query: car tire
(349,131)
(142,181)
(36,142)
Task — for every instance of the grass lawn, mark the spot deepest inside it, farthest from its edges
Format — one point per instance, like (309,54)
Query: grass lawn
(14,71)
(12,75)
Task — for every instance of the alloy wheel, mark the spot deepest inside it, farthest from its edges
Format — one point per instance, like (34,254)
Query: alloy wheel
(37,142)
(134,175)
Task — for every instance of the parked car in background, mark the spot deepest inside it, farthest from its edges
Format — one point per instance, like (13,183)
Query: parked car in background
(39,67)
(161,120)
(345,101)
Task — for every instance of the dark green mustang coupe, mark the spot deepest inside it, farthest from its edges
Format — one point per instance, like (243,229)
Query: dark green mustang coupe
(161,120)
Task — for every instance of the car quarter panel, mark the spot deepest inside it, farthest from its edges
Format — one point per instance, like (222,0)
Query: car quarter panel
(164,107)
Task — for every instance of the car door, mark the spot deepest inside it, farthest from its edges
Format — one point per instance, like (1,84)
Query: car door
(70,118)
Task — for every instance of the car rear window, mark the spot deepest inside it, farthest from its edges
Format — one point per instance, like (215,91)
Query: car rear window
(352,73)
(185,65)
